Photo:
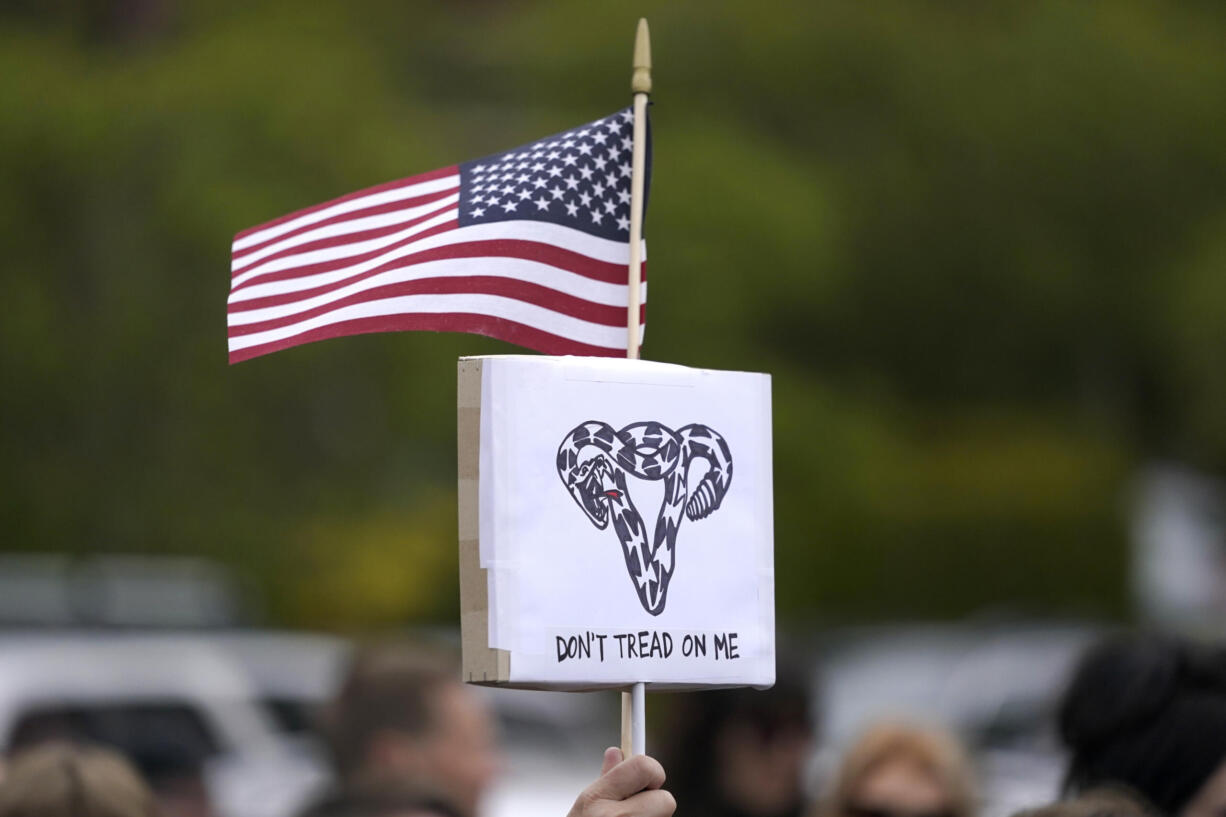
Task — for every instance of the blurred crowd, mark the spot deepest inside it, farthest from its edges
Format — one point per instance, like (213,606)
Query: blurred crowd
(1143,722)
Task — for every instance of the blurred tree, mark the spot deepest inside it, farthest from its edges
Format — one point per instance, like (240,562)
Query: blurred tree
(979,246)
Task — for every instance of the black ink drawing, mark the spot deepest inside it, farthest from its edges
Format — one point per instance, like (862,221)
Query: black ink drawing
(649,451)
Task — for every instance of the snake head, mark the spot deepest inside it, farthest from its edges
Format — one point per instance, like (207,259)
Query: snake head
(594,487)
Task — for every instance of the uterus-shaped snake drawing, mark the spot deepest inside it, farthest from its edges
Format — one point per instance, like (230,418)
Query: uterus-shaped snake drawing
(594,461)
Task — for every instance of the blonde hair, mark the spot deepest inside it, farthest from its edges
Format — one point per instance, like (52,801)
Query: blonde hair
(935,751)
(60,780)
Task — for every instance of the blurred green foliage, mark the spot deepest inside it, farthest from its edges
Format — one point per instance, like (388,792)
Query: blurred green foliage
(981,247)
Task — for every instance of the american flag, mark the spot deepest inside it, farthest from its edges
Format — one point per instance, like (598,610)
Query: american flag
(530,246)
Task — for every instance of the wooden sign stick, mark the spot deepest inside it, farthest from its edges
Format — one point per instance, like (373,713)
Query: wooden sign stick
(634,716)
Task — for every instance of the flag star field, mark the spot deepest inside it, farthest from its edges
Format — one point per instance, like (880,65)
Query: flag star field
(578,179)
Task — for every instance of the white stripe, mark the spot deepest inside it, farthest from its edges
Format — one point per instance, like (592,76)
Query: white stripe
(566,238)
(537,317)
(339,209)
(533,272)
(344,251)
(353,225)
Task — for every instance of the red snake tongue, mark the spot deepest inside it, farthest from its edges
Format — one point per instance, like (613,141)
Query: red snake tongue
(608,487)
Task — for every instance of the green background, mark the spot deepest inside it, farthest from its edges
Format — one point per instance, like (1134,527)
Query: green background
(980,246)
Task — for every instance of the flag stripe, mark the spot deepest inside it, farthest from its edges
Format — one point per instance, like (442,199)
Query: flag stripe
(385,216)
(340,250)
(494,306)
(316,278)
(506,287)
(446,263)
(400,190)
(539,264)
(490,326)
(580,253)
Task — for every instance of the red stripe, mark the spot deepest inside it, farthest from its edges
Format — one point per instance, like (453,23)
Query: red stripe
(380,209)
(379,188)
(348,238)
(341,263)
(547,254)
(499,328)
(468,285)
(472,249)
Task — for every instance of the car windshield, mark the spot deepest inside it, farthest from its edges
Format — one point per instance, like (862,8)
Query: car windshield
(170,731)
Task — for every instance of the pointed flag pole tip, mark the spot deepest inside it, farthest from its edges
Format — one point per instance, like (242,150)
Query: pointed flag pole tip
(640,82)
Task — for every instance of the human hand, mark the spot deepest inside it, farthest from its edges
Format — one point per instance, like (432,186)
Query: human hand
(626,788)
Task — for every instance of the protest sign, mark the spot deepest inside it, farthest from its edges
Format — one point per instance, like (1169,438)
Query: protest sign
(616,524)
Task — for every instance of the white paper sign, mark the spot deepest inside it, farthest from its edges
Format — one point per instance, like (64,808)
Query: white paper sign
(626,522)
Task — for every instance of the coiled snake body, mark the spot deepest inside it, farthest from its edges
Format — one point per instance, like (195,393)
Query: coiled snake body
(650,451)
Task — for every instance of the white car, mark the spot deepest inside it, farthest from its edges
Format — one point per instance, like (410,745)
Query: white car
(242,706)
(159,698)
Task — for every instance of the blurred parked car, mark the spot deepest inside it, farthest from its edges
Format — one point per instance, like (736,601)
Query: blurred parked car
(241,708)
(292,674)
(163,700)
(113,590)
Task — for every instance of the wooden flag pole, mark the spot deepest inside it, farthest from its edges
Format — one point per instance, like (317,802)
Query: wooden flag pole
(634,709)
(640,84)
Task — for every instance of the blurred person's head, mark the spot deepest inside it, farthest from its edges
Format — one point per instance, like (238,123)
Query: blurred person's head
(742,751)
(903,770)
(1111,802)
(1149,713)
(61,780)
(404,721)
(168,758)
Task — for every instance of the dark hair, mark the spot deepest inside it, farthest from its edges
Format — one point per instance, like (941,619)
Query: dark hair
(700,718)
(387,689)
(1149,713)
(383,803)
(1105,802)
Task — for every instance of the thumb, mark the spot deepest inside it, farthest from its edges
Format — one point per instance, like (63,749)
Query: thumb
(612,756)
(627,778)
